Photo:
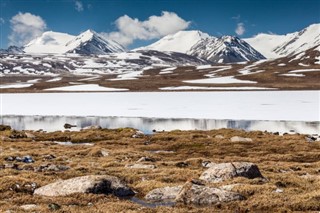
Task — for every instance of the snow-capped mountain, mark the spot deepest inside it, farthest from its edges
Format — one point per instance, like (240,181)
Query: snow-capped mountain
(49,42)
(275,46)
(91,42)
(88,42)
(181,41)
(227,49)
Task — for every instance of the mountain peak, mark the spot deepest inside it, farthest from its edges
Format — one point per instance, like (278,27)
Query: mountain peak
(180,41)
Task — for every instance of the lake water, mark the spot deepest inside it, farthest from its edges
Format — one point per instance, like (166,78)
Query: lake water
(147,125)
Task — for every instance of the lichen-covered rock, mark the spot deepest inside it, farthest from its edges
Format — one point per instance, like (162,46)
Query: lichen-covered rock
(224,171)
(96,184)
(164,194)
(204,195)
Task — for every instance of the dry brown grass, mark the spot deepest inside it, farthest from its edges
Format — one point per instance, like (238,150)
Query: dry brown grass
(287,162)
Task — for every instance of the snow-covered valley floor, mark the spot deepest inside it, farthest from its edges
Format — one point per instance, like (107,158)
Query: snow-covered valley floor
(244,105)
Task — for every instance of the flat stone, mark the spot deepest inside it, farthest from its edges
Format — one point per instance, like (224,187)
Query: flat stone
(96,184)
(240,139)
(164,194)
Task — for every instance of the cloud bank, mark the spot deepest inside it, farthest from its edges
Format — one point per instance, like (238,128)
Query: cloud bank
(130,29)
(25,27)
(240,29)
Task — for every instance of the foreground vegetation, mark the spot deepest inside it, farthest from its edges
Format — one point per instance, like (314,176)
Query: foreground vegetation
(289,164)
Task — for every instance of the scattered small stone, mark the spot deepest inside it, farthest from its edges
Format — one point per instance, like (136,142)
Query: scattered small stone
(276,133)
(229,187)
(182,164)
(138,134)
(240,139)
(149,159)
(9,158)
(280,184)
(69,126)
(17,134)
(224,171)
(24,188)
(207,164)
(49,157)
(141,166)
(28,207)
(5,127)
(279,190)
(30,135)
(51,167)
(54,206)
(93,127)
(219,137)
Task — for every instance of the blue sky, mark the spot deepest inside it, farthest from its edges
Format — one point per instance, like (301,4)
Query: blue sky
(211,16)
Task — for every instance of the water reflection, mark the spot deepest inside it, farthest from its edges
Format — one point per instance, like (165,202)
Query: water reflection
(53,123)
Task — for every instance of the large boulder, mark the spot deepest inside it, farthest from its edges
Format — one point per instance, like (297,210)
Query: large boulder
(164,194)
(96,184)
(204,195)
(224,171)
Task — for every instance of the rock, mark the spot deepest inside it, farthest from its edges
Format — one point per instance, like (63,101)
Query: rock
(138,134)
(182,164)
(142,159)
(96,184)
(225,171)
(29,207)
(24,188)
(51,167)
(140,166)
(25,159)
(17,134)
(9,158)
(219,137)
(207,164)
(240,139)
(278,190)
(93,127)
(164,194)
(5,127)
(205,195)
(30,135)
(49,157)
(54,206)
(69,126)
(99,152)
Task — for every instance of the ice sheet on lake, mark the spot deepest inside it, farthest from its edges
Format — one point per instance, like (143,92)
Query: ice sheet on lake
(241,105)
(213,88)
(85,87)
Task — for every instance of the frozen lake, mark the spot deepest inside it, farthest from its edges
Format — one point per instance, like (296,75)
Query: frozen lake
(242,105)
(147,125)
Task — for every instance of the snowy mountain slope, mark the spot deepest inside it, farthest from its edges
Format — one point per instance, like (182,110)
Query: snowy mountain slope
(49,42)
(112,63)
(181,41)
(90,42)
(12,50)
(275,46)
(227,49)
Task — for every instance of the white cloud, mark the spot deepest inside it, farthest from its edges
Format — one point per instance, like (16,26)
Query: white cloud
(130,29)
(2,21)
(240,29)
(78,6)
(25,27)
